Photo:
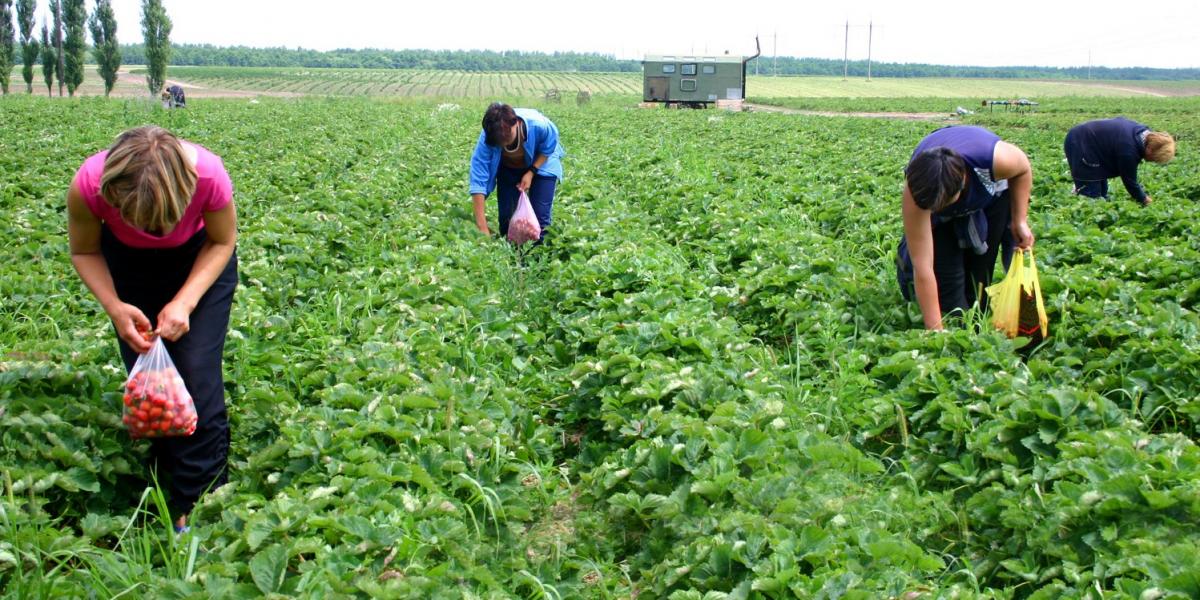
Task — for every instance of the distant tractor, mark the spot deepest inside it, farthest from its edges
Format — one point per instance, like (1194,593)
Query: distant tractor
(694,81)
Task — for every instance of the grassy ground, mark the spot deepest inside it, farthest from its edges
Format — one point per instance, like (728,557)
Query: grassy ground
(705,386)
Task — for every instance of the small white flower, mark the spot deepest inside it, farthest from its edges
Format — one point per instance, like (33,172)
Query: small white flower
(322,492)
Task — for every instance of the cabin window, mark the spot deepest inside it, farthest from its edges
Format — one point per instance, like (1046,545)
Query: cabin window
(708,69)
(687,85)
(668,68)
(688,69)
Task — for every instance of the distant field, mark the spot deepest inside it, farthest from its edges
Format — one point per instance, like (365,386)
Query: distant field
(397,82)
(127,84)
(253,81)
(834,87)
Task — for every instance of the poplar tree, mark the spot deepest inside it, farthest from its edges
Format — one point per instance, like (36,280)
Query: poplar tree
(6,43)
(59,67)
(75,44)
(156,33)
(29,43)
(47,59)
(104,39)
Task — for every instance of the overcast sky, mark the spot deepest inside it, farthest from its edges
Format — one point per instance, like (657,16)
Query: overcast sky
(1153,33)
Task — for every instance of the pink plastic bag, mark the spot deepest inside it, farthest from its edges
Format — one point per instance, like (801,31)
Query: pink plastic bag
(157,403)
(524,227)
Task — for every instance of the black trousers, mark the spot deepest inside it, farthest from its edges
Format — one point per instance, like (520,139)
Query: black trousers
(149,279)
(961,274)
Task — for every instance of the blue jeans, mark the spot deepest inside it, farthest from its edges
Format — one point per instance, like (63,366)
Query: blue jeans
(1092,189)
(541,196)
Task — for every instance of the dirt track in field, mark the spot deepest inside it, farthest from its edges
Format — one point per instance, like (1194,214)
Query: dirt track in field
(137,83)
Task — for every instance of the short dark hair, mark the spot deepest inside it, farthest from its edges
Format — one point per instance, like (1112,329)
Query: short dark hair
(935,176)
(498,118)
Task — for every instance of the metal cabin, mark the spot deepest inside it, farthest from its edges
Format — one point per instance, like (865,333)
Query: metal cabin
(694,80)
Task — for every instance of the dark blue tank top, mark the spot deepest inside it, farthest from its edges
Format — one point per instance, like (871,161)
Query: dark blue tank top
(976,145)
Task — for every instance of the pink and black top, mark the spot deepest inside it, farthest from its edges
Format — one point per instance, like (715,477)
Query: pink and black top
(214,191)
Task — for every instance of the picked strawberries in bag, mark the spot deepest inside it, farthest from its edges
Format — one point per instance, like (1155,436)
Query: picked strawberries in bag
(157,403)
(524,226)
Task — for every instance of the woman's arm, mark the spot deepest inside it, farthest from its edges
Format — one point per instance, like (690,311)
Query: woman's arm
(83,234)
(527,178)
(221,228)
(479,204)
(918,230)
(1009,162)
(478,179)
(547,142)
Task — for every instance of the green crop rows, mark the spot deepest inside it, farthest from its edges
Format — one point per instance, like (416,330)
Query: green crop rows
(400,82)
(705,386)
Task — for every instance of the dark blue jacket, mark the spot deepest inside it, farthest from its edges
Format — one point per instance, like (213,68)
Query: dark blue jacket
(1107,148)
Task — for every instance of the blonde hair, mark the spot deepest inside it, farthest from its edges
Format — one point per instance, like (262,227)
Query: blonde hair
(1160,147)
(148,178)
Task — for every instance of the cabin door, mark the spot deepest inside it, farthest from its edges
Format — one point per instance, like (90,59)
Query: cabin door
(657,89)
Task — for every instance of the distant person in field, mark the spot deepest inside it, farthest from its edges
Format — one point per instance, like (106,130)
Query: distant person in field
(173,97)
(518,150)
(966,193)
(1105,148)
(152,232)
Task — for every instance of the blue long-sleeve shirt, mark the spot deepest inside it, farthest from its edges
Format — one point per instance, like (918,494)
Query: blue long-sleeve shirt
(1107,148)
(541,138)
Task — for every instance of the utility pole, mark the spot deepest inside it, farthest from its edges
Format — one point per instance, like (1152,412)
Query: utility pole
(846,53)
(870,33)
(775,56)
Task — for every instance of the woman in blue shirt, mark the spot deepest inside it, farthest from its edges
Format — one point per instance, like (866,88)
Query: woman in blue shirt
(518,151)
(964,189)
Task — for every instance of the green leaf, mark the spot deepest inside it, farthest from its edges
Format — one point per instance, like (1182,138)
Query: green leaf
(415,401)
(267,568)
(77,479)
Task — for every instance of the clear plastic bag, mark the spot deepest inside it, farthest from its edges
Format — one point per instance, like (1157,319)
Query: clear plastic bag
(157,403)
(524,226)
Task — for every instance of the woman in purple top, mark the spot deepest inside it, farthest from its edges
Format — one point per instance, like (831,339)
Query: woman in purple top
(152,230)
(964,188)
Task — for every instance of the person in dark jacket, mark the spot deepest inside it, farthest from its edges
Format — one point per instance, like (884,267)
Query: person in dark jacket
(1105,148)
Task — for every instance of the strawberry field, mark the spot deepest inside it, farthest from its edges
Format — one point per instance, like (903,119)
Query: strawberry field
(704,386)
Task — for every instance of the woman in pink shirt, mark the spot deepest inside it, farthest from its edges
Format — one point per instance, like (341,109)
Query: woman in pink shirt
(152,230)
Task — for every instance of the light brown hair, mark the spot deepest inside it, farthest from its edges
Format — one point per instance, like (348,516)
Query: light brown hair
(1160,147)
(148,177)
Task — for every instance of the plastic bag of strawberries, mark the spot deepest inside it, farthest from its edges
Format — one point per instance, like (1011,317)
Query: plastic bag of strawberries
(523,226)
(157,403)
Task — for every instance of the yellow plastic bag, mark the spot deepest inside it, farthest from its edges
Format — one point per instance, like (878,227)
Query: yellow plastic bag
(1017,307)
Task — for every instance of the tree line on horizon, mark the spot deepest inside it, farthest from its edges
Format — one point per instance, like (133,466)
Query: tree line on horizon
(491,60)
